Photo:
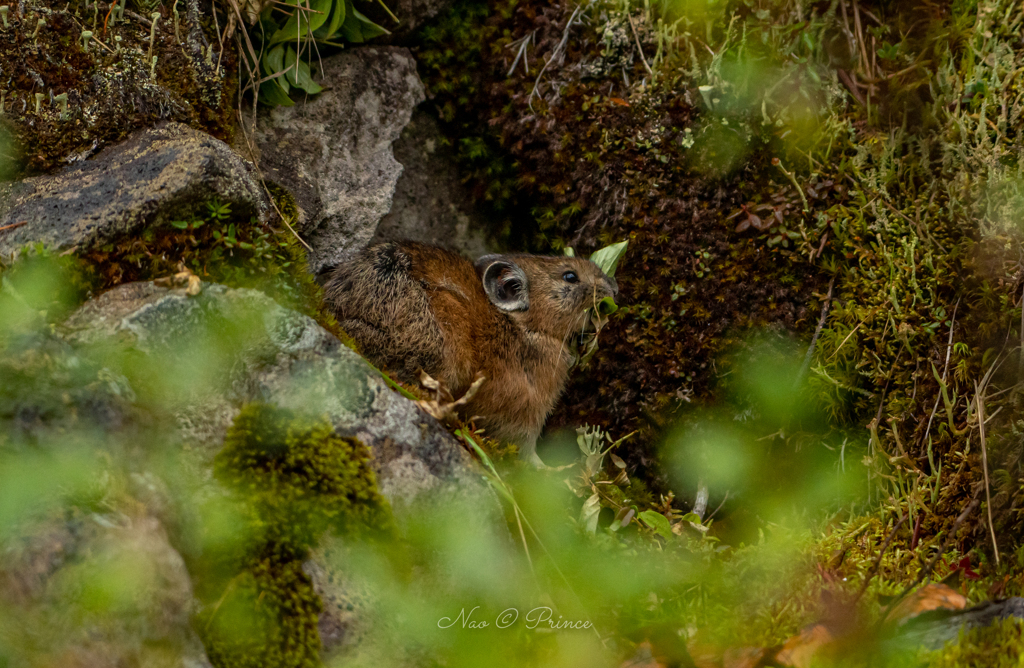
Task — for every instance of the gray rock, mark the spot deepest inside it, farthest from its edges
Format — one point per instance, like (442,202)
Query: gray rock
(283,357)
(333,153)
(160,174)
(50,581)
(431,204)
(935,628)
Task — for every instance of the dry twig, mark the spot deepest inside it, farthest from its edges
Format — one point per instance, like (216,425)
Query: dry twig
(554,54)
(980,401)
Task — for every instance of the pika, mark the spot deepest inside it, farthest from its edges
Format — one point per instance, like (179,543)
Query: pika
(518,319)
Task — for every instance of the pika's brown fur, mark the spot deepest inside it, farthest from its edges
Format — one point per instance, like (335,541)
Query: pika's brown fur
(415,307)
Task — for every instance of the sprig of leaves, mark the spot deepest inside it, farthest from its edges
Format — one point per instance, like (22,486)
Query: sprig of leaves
(294,28)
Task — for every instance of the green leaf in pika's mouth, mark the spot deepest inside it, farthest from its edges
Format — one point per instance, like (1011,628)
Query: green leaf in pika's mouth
(607,258)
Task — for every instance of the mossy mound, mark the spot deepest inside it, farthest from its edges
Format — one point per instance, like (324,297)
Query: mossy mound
(69,94)
(292,479)
(299,479)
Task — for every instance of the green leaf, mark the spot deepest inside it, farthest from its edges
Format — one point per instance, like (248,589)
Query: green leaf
(357,28)
(180,224)
(303,23)
(623,518)
(298,74)
(590,513)
(607,259)
(273,62)
(658,522)
(607,306)
(330,28)
(275,92)
(569,252)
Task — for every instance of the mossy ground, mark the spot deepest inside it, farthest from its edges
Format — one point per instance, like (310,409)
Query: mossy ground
(850,172)
(110,85)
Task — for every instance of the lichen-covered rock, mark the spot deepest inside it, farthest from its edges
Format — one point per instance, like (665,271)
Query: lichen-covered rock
(282,358)
(285,358)
(99,590)
(334,154)
(158,175)
(431,204)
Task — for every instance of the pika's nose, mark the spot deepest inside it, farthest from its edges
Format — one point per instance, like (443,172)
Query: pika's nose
(612,285)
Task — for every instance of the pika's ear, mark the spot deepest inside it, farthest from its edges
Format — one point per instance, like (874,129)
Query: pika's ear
(504,282)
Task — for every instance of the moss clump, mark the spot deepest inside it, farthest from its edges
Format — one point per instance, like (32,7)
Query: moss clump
(269,618)
(999,645)
(298,478)
(292,479)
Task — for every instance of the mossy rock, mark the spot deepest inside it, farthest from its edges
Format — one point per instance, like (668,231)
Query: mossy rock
(298,479)
(293,479)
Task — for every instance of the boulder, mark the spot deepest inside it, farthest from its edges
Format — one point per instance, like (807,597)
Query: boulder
(160,174)
(334,152)
(431,204)
(277,355)
(103,590)
(286,358)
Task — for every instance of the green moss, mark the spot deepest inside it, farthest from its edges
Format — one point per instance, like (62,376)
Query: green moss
(298,479)
(268,618)
(109,87)
(292,480)
(1000,645)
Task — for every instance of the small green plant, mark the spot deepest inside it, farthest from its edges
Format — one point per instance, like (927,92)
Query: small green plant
(288,37)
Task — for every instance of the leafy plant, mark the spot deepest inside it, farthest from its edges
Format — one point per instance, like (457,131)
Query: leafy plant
(287,37)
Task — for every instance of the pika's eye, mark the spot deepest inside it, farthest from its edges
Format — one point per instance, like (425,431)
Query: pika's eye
(570,277)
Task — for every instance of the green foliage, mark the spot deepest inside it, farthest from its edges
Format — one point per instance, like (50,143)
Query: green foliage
(288,39)
(40,287)
(607,258)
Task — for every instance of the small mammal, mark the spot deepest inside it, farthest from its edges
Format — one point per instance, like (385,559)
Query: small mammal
(515,318)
